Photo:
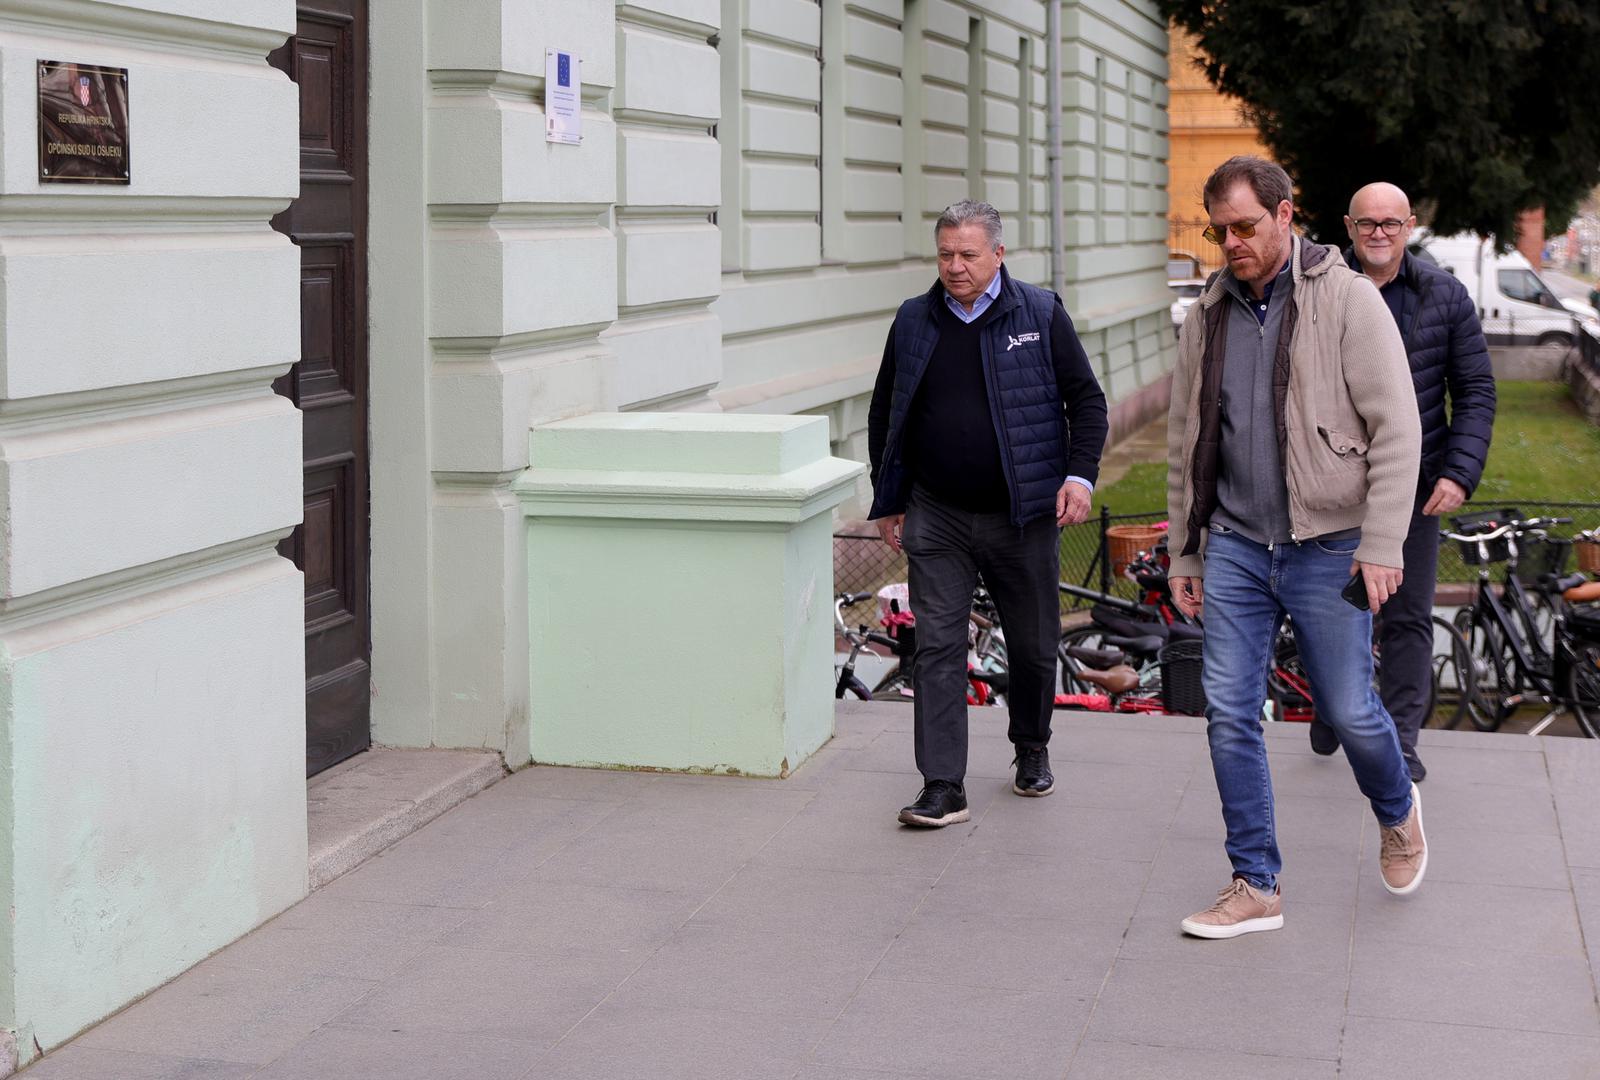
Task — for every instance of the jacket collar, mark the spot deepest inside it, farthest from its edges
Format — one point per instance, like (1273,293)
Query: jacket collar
(1306,260)
(1010,294)
(1410,274)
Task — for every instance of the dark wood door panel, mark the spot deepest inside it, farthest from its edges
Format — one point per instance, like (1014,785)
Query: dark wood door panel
(327,59)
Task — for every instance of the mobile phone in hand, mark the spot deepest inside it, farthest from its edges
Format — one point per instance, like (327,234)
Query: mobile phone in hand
(1355,591)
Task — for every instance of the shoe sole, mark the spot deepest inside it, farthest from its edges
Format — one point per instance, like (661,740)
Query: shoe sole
(1411,887)
(1248,926)
(1034,794)
(953,818)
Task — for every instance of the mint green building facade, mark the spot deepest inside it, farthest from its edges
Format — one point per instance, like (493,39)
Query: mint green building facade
(752,197)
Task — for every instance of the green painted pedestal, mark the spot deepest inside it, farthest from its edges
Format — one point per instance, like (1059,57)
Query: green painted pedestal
(680,590)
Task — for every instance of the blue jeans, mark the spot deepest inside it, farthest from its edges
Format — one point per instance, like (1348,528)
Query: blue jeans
(1248,588)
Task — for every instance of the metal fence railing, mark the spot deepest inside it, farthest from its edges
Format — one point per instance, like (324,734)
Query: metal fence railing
(1090,552)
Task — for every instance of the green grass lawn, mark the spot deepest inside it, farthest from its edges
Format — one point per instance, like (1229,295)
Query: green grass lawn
(1543,451)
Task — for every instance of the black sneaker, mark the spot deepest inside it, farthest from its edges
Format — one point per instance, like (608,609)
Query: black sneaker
(941,803)
(1033,771)
(1414,766)
(1324,740)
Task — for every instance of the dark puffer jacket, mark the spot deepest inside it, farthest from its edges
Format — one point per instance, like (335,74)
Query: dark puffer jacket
(1444,343)
(1033,363)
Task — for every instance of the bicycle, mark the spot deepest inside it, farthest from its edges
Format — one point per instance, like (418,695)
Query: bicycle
(1512,662)
(988,677)
(858,639)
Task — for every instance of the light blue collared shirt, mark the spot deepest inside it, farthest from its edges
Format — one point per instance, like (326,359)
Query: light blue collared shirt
(979,306)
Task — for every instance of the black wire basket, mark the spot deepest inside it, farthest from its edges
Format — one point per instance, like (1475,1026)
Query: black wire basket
(1182,691)
(1498,550)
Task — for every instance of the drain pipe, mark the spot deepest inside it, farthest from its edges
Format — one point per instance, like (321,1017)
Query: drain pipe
(1052,52)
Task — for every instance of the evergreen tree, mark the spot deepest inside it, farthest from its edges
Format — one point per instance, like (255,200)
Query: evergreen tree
(1477,108)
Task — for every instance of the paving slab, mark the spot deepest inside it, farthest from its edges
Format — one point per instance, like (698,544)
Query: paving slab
(568,923)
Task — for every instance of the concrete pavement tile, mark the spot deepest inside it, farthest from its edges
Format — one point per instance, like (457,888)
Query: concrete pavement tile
(78,1062)
(1315,937)
(1195,869)
(1131,745)
(1574,766)
(356,1054)
(1586,893)
(1061,830)
(324,910)
(559,782)
(1476,987)
(1080,890)
(424,872)
(1468,916)
(1311,775)
(988,758)
(891,1026)
(1294,1014)
(1457,766)
(727,969)
(539,916)
(832,907)
(296,948)
(1485,809)
(1099,1060)
(1141,788)
(509,824)
(837,1072)
(1462,855)
(532,1000)
(1478,740)
(1108,721)
(851,827)
(640,1042)
(999,952)
(1301,819)
(693,849)
(227,1013)
(1380,1048)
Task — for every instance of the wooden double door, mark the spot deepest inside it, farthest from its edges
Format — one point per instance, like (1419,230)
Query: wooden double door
(327,59)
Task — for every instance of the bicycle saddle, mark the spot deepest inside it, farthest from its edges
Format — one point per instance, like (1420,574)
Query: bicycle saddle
(1128,628)
(1139,646)
(1117,680)
(1184,632)
(1101,659)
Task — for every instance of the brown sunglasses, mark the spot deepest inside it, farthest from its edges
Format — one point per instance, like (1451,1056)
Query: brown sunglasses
(1244,230)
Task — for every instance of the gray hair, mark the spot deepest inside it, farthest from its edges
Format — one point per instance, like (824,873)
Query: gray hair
(970,212)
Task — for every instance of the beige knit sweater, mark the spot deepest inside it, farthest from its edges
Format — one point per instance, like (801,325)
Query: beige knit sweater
(1354,442)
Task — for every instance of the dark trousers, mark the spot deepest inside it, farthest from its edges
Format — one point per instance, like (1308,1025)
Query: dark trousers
(1405,635)
(947,549)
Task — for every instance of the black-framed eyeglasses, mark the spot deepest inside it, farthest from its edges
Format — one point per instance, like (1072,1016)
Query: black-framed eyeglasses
(1244,230)
(1390,226)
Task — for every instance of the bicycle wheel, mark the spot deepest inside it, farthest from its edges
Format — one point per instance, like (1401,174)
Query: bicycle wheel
(893,687)
(1492,673)
(1453,680)
(1583,687)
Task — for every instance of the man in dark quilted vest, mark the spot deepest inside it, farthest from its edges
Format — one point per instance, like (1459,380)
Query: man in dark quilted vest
(1444,345)
(985,435)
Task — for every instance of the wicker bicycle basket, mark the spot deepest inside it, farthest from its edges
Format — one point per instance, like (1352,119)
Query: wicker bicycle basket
(1588,554)
(1123,542)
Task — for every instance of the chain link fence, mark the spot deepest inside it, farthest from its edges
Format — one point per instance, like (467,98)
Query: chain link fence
(1092,554)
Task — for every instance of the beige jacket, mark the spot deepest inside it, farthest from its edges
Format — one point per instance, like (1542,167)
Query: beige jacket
(1348,425)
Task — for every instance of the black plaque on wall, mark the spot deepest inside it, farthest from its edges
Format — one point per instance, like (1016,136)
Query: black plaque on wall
(83,123)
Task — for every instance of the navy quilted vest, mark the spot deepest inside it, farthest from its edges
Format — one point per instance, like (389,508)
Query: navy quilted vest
(1024,403)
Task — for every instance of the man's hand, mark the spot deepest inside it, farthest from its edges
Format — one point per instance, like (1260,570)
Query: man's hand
(889,528)
(1072,503)
(1382,581)
(1447,498)
(1187,594)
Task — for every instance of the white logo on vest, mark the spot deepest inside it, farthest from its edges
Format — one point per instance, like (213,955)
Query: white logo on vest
(1021,339)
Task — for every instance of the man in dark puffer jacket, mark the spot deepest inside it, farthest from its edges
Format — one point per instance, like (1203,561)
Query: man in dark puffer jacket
(985,435)
(1445,346)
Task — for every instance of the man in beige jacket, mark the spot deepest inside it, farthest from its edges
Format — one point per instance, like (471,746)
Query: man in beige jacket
(1292,454)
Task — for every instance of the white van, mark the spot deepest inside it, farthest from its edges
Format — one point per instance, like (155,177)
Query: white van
(1515,306)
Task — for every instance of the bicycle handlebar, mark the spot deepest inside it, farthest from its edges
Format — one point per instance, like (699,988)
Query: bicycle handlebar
(1524,525)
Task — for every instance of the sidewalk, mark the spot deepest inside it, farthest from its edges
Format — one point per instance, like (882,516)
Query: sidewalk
(568,924)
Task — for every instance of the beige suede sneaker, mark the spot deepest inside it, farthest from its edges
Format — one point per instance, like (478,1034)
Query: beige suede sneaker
(1403,850)
(1241,908)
